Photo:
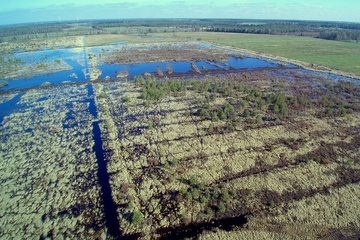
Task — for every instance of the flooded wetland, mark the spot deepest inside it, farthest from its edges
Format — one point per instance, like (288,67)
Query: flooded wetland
(176,140)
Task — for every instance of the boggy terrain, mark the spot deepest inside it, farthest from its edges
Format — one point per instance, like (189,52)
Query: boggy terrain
(246,155)
(49,173)
(167,51)
(262,153)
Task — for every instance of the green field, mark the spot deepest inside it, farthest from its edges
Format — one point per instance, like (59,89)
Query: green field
(334,54)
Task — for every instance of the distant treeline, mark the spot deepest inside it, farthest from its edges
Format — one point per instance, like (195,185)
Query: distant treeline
(326,30)
(340,31)
(15,30)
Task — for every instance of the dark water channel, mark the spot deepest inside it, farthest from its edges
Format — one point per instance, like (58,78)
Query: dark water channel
(110,208)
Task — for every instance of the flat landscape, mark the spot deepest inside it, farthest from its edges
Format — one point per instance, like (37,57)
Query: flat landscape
(336,55)
(197,156)
(179,135)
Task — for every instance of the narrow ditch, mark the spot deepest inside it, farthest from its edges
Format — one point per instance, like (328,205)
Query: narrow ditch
(193,230)
(110,208)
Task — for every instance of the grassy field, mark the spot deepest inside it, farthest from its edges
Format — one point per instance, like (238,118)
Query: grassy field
(334,54)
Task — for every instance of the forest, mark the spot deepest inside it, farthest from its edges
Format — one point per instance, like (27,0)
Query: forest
(338,31)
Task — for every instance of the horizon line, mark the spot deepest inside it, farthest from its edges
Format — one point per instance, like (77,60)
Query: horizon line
(184,18)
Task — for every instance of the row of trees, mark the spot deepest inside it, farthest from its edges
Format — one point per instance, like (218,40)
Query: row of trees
(330,34)
(340,35)
(325,30)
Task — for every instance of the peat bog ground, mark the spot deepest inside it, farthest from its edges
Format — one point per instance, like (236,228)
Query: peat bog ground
(216,151)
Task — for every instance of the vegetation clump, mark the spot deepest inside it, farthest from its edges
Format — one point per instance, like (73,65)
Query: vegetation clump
(136,217)
(221,207)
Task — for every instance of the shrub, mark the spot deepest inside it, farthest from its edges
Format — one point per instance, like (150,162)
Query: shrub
(207,98)
(231,127)
(342,110)
(280,106)
(261,104)
(203,113)
(188,195)
(183,191)
(203,199)
(130,205)
(328,111)
(215,193)
(136,217)
(211,128)
(125,99)
(102,95)
(201,186)
(242,105)
(171,178)
(214,117)
(108,125)
(221,114)
(193,181)
(139,80)
(146,104)
(256,93)
(174,162)
(221,207)
(229,110)
(150,125)
(276,109)
(209,211)
(166,164)
(224,196)
(195,193)
(207,193)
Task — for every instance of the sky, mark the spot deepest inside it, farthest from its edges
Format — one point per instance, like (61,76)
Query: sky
(24,11)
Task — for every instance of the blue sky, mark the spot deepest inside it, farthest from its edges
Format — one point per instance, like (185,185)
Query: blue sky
(22,11)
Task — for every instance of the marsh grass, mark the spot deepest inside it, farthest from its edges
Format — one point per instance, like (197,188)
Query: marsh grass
(263,132)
